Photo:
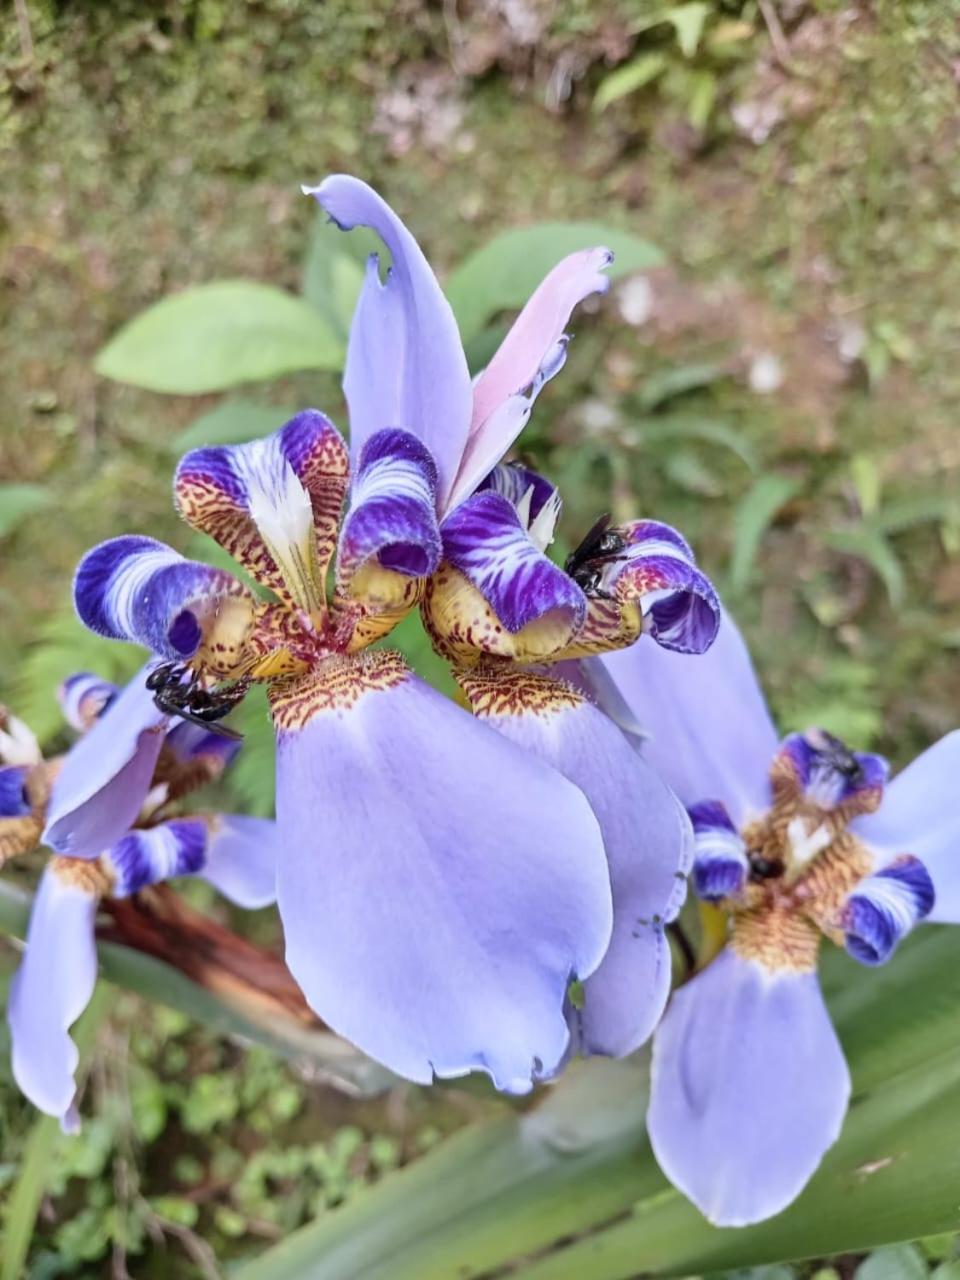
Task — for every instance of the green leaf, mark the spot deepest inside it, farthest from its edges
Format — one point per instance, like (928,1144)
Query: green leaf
(677,380)
(683,426)
(688,21)
(333,271)
(870,545)
(219,335)
(502,275)
(628,79)
(752,518)
(17,502)
(897,1262)
(231,422)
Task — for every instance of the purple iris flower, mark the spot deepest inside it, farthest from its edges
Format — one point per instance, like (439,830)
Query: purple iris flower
(795,840)
(59,969)
(440,884)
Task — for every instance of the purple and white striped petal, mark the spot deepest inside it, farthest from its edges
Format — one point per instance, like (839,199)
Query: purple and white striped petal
(749,1089)
(138,589)
(720,865)
(273,504)
(51,989)
(536,500)
(440,899)
(241,859)
(405,363)
(830,775)
(18,743)
(679,605)
(83,699)
(710,732)
(392,513)
(646,837)
(142,858)
(884,907)
(919,815)
(100,790)
(531,354)
(14,800)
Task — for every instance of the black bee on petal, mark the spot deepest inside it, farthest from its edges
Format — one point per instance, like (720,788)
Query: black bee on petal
(586,564)
(178,692)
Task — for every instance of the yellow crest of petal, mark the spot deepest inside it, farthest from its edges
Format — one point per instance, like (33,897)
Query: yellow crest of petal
(376,601)
(18,836)
(500,690)
(89,875)
(778,938)
(335,685)
(226,624)
(609,625)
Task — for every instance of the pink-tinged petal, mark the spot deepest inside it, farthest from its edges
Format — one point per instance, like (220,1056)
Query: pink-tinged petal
(150,856)
(274,504)
(83,699)
(100,790)
(438,886)
(749,1089)
(138,589)
(919,815)
(241,859)
(710,735)
(646,836)
(405,363)
(392,516)
(51,989)
(532,352)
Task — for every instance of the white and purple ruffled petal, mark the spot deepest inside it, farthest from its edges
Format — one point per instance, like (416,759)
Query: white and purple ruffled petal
(405,362)
(532,353)
(392,508)
(749,1089)
(142,858)
(536,500)
(485,540)
(830,775)
(135,588)
(720,864)
(439,887)
(884,908)
(50,990)
(14,799)
(710,732)
(680,607)
(241,859)
(919,815)
(83,699)
(100,790)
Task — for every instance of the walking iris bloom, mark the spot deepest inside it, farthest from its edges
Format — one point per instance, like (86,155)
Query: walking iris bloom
(440,884)
(795,841)
(59,970)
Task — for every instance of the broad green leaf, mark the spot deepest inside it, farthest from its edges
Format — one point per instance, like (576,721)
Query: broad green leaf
(17,502)
(333,271)
(751,520)
(219,335)
(502,275)
(869,544)
(896,1262)
(688,22)
(231,422)
(677,380)
(683,426)
(628,79)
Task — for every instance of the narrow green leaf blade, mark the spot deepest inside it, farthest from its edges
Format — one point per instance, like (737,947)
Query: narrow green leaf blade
(752,519)
(628,79)
(219,335)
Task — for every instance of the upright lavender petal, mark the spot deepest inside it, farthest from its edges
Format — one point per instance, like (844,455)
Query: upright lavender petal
(710,733)
(83,699)
(885,907)
(241,859)
(920,815)
(405,362)
(51,989)
(749,1089)
(532,352)
(439,899)
(155,854)
(720,865)
(106,775)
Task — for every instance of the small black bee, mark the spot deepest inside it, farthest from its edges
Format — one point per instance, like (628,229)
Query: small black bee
(188,699)
(585,565)
(836,755)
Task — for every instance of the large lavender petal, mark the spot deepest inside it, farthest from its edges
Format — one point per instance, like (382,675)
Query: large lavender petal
(83,698)
(749,1089)
(241,859)
(51,989)
(919,815)
(710,732)
(532,352)
(274,504)
(646,836)
(392,509)
(135,588)
(106,775)
(405,362)
(438,887)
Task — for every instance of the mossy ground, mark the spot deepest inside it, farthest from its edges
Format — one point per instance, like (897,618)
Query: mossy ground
(144,147)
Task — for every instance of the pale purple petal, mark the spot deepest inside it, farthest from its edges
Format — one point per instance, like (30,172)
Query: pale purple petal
(884,908)
(135,588)
(920,815)
(392,508)
(83,699)
(106,775)
(50,990)
(749,1089)
(405,362)
(439,888)
(710,733)
(648,843)
(532,352)
(241,859)
(150,856)
(485,540)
